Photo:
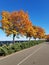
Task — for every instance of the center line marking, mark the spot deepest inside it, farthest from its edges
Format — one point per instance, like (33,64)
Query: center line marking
(29,56)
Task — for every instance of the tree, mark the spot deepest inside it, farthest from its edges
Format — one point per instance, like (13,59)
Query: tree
(35,33)
(30,32)
(47,37)
(15,23)
(39,32)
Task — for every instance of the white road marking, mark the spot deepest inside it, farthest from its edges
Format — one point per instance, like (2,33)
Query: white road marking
(29,56)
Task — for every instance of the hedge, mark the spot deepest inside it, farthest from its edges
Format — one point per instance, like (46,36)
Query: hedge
(11,48)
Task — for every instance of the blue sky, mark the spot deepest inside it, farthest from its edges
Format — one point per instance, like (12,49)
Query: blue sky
(38,11)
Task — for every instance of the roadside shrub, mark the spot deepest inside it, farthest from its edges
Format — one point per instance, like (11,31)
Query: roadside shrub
(15,47)
(24,45)
(6,49)
(31,43)
(10,50)
(3,51)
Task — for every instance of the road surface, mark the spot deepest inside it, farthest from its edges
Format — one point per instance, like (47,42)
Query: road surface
(36,55)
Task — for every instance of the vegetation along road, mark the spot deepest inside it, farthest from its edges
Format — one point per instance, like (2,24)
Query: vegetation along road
(37,55)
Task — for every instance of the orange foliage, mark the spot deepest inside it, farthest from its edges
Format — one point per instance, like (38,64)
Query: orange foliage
(39,32)
(15,22)
(18,22)
(47,37)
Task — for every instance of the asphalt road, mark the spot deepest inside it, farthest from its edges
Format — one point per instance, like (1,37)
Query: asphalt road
(36,55)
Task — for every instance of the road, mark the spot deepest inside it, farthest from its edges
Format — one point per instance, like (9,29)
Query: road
(36,55)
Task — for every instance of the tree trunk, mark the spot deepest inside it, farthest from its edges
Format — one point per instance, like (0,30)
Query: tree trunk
(29,42)
(29,39)
(13,38)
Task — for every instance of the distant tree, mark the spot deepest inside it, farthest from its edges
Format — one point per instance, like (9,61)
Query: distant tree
(47,37)
(39,32)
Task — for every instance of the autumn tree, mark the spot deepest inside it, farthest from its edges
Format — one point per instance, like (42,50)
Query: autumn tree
(15,23)
(30,32)
(18,23)
(47,37)
(35,33)
(39,32)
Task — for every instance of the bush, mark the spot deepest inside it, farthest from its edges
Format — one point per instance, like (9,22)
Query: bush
(31,43)
(3,51)
(11,48)
(15,47)
(24,45)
